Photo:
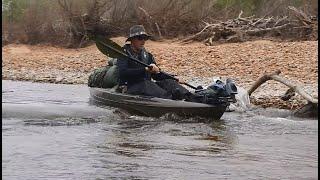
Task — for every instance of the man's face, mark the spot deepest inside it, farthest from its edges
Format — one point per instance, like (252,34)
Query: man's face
(138,42)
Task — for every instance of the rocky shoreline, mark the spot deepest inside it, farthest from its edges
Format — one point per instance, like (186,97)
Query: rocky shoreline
(195,63)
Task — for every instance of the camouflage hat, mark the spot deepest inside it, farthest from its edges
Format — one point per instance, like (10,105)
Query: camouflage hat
(137,30)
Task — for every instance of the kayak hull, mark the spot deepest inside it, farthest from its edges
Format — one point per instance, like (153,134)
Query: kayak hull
(155,107)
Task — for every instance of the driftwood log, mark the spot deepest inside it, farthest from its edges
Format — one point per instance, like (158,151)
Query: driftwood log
(309,110)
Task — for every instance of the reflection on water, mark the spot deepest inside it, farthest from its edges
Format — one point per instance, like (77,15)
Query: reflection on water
(50,131)
(67,121)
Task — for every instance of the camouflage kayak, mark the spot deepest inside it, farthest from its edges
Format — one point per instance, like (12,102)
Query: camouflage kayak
(155,107)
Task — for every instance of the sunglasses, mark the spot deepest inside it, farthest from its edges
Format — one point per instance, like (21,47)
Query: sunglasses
(142,38)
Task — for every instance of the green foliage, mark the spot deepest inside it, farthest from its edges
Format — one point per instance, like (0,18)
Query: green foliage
(13,10)
(247,6)
(297,3)
(250,7)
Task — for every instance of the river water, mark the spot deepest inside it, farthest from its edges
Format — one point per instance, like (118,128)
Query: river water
(51,131)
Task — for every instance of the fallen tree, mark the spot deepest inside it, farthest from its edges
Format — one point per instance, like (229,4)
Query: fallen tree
(308,110)
(296,26)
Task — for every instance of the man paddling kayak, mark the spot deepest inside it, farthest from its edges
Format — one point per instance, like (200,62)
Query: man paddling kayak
(137,79)
(133,70)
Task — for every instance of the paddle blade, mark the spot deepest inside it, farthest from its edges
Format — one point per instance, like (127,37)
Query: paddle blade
(108,47)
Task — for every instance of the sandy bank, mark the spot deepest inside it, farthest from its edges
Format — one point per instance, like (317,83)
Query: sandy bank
(195,63)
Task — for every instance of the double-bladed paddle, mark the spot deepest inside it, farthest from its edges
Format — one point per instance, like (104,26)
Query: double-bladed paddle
(113,50)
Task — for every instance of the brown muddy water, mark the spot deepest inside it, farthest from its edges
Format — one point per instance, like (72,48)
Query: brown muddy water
(51,131)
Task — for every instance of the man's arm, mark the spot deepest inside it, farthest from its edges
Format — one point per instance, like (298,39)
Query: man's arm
(125,72)
(157,76)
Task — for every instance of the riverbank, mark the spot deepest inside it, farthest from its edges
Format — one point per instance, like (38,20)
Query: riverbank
(194,62)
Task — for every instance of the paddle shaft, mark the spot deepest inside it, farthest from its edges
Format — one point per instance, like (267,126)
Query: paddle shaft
(144,64)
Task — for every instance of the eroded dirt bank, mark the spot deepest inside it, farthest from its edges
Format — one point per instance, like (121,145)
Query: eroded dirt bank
(195,62)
